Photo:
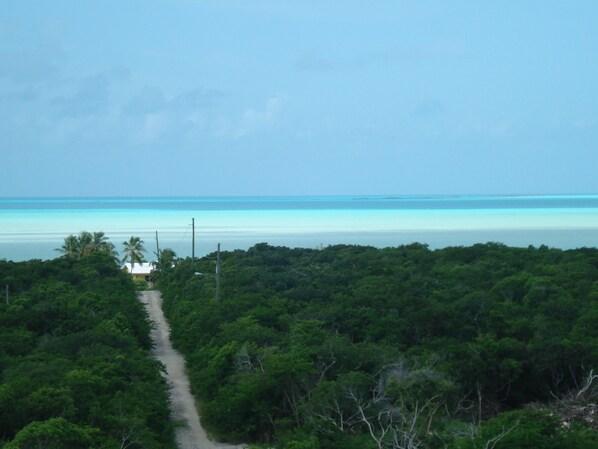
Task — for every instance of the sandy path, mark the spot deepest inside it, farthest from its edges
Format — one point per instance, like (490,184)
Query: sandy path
(190,434)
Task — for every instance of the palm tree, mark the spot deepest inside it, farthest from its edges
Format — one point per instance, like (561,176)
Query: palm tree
(165,259)
(86,243)
(133,251)
(86,246)
(101,244)
(70,247)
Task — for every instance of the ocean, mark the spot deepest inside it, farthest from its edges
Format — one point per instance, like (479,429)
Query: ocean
(32,228)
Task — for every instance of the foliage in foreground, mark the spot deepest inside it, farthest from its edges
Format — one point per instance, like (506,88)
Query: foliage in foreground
(74,365)
(357,347)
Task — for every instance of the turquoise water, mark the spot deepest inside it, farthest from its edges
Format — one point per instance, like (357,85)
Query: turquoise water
(34,227)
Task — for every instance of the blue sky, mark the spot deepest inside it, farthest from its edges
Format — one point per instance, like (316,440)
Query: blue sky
(272,97)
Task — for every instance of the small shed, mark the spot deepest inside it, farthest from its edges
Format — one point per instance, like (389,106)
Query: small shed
(139,270)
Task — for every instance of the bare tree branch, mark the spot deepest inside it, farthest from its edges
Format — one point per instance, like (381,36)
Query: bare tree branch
(492,442)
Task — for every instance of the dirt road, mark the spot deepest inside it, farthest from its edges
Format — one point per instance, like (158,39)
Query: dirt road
(190,434)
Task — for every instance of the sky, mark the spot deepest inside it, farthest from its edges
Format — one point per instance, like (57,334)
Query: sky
(273,97)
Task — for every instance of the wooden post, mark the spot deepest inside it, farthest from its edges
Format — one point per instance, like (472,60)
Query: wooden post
(218,274)
(193,242)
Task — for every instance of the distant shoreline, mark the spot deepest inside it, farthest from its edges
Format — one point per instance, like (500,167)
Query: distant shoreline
(33,228)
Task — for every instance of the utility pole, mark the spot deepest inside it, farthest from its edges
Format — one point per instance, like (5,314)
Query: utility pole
(157,246)
(193,242)
(218,274)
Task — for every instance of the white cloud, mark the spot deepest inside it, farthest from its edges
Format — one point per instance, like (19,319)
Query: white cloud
(153,116)
(38,58)
(148,101)
(254,120)
(30,65)
(196,118)
(153,127)
(4,29)
(152,99)
(316,61)
(220,127)
(266,117)
(428,108)
(195,99)
(90,98)
(586,123)
(267,8)
(473,127)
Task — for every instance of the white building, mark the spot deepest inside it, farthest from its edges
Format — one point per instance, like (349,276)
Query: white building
(140,270)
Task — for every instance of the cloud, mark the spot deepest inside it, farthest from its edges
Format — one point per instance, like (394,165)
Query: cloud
(196,99)
(153,128)
(30,66)
(20,96)
(254,120)
(267,8)
(152,99)
(34,58)
(90,98)
(220,127)
(314,60)
(153,117)
(5,29)
(148,101)
(266,117)
(119,73)
(585,124)
(428,108)
(493,129)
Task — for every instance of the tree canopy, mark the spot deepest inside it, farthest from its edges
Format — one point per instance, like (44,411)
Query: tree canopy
(357,347)
(133,250)
(74,364)
(85,244)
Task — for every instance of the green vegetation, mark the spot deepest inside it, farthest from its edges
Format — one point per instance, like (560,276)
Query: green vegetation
(133,251)
(355,347)
(74,365)
(85,244)
(164,263)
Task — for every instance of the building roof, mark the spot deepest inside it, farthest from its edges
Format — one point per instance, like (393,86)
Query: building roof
(144,268)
